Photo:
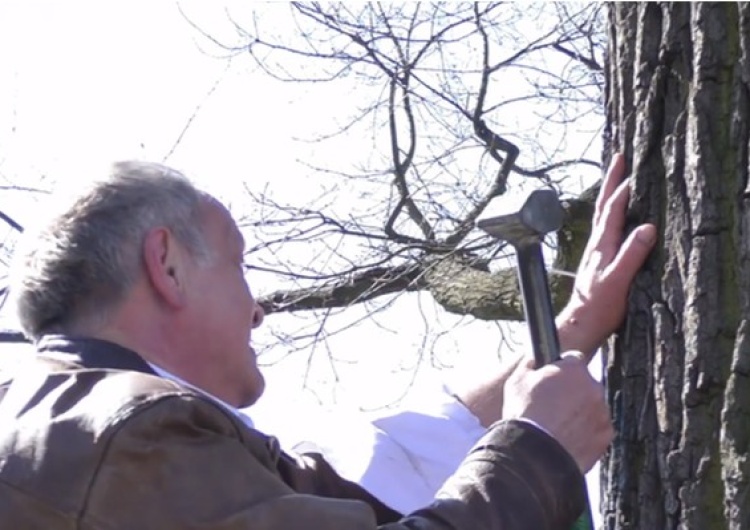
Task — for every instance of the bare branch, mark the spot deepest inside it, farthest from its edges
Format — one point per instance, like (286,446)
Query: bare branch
(196,110)
(15,225)
(589,62)
(355,289)
(401,166)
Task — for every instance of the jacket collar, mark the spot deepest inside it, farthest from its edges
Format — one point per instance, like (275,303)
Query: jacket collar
(94,353)
(97,353)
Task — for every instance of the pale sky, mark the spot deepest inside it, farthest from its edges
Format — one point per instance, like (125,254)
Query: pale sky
(96,81)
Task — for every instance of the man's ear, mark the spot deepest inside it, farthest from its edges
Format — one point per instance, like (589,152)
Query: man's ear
(164,266)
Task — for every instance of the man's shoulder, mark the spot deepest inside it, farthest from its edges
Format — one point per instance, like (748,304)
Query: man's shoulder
(43,386)
(55,408)
(58,384)
(63,423)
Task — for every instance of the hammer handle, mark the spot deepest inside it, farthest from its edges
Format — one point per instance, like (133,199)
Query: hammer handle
(537,303)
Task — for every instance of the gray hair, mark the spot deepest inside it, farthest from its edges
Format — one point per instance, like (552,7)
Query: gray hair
(80,265)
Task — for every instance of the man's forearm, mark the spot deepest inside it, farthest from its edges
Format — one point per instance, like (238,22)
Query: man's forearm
(484,399)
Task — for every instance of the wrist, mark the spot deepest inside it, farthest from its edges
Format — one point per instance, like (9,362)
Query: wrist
(574,333)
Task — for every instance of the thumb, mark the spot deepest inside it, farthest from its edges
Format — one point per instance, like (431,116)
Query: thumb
(520,365)
(525,363)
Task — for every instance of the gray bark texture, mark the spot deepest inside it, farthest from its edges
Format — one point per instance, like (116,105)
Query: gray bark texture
(678,372)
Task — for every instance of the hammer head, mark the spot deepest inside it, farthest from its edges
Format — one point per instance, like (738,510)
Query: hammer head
(540,214)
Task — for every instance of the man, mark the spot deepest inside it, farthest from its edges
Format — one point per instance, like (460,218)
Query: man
(143,275)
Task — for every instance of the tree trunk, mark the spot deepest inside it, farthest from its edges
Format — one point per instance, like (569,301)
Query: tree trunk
(677,373)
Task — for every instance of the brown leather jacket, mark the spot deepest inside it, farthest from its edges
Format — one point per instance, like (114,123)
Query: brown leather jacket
(90,439)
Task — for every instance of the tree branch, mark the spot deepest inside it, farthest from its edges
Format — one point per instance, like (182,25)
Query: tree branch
(589,62)
(355,289)
(460,283)
(15,225)
(493,142)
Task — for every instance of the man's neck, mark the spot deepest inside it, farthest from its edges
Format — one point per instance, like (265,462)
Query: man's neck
(166,374)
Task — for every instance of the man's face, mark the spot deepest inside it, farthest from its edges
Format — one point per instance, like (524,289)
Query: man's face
(223,313)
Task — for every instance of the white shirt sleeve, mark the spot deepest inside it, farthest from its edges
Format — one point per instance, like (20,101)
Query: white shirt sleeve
(402,456)
(435,433)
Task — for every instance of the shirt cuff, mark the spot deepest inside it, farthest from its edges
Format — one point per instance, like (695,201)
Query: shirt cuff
(535,424)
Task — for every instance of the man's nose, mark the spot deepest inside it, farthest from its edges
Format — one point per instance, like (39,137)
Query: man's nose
(258,315)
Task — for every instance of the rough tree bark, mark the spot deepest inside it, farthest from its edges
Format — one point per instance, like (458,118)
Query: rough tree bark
(677,103)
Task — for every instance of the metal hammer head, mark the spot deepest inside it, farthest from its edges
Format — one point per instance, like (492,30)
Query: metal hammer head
(540,214)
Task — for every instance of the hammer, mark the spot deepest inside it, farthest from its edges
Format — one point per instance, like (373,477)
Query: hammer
(525,230)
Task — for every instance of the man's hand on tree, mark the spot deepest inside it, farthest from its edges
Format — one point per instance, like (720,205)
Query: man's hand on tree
(598,302)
